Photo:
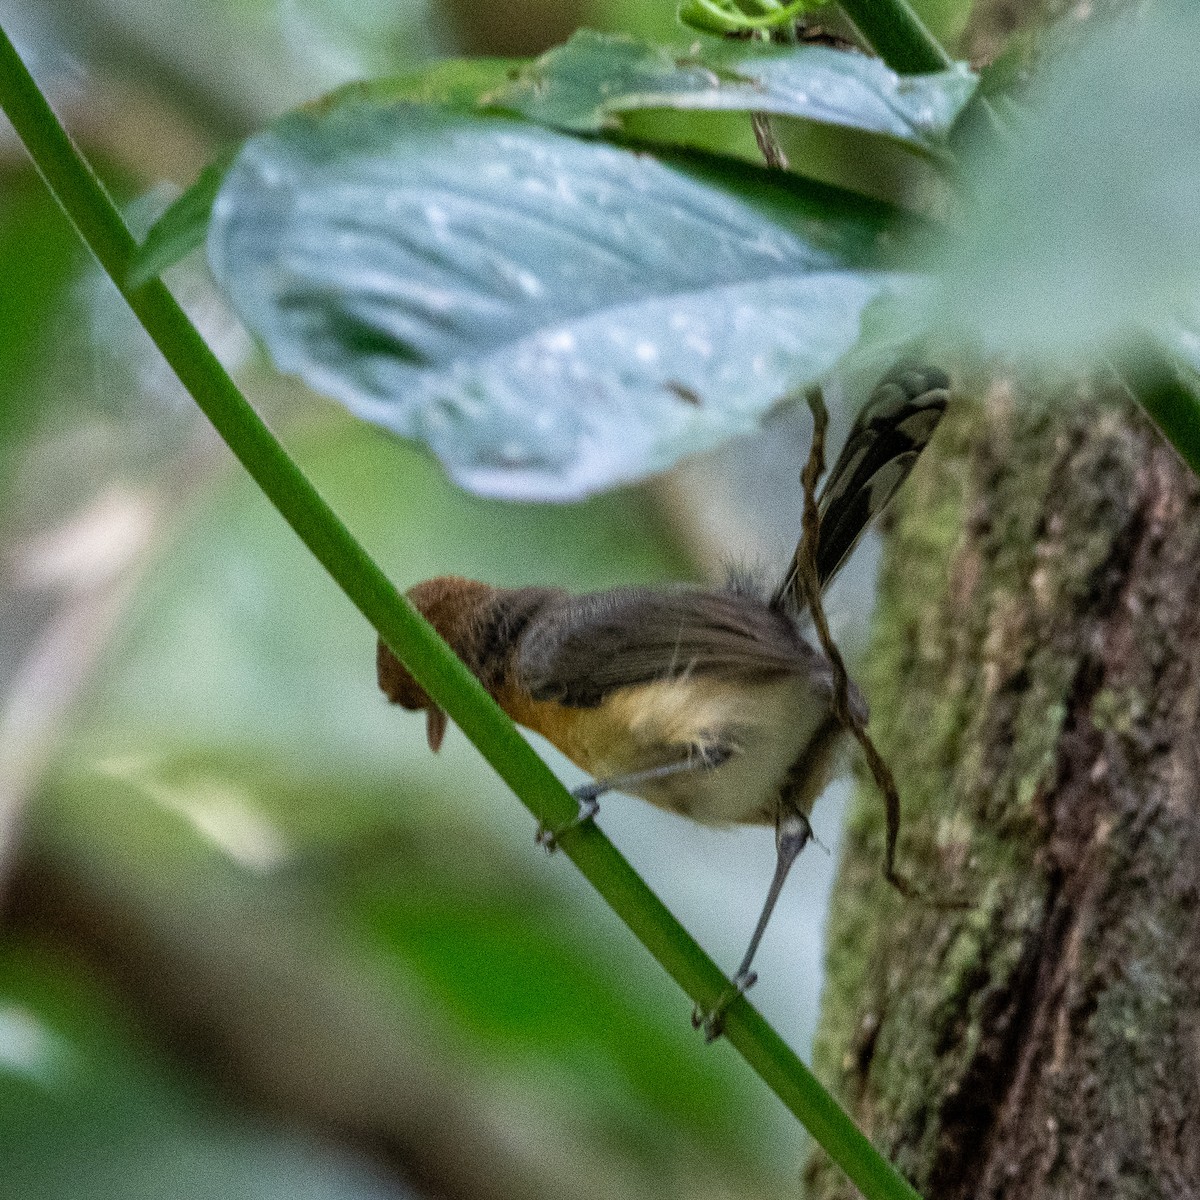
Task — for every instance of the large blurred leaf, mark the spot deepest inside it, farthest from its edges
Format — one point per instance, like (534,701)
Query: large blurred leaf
(592,82)
(239,784)
(551,317)
(1086,220)
(88,1113)
(1181,338)
(510,974)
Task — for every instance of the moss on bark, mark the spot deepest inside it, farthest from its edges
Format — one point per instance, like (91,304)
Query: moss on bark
(1035,682)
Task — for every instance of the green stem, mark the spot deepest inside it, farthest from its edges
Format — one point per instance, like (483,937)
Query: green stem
(431,661)
(898,35)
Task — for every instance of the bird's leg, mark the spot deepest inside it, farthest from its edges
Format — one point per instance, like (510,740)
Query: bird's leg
(792,833)
(588,794)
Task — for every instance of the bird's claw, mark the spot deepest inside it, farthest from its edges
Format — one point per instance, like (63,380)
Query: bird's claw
(713,1021)
(589,806)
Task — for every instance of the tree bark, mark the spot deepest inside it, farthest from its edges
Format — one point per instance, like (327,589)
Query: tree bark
(1035,685)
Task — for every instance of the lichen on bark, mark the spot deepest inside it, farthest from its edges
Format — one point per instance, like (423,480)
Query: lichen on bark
(1034,681)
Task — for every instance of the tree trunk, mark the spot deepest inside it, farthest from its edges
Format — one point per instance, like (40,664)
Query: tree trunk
(1035,684)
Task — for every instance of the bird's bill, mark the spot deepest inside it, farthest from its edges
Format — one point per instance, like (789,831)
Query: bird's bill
(435,727)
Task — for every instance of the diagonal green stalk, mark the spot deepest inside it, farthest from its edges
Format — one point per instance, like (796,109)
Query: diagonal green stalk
(435,666)
(897,35)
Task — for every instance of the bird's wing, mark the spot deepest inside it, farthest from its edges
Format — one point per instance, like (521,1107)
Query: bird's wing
(584,647)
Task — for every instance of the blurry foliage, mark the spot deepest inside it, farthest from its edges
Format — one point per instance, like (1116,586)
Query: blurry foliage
(228,65)
(1084,224)
(89,1112)
(233,774)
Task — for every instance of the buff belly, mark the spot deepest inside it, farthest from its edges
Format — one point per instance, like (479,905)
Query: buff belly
(768,727)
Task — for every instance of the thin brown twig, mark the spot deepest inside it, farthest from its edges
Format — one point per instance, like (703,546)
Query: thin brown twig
(768,144)
(806,563)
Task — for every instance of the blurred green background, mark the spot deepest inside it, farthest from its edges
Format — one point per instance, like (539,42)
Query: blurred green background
(257,941)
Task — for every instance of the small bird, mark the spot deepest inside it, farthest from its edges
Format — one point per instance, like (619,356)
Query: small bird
(711,704)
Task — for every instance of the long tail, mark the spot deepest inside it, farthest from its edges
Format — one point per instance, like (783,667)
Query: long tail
(888,435)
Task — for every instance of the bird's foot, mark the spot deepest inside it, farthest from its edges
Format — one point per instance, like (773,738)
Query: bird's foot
(713,1021)
(588,795)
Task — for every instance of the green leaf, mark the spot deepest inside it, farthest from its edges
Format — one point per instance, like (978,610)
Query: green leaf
(1181,339)
(182,228)
(452,82)
(184,225)
(595,80)
(551,317)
